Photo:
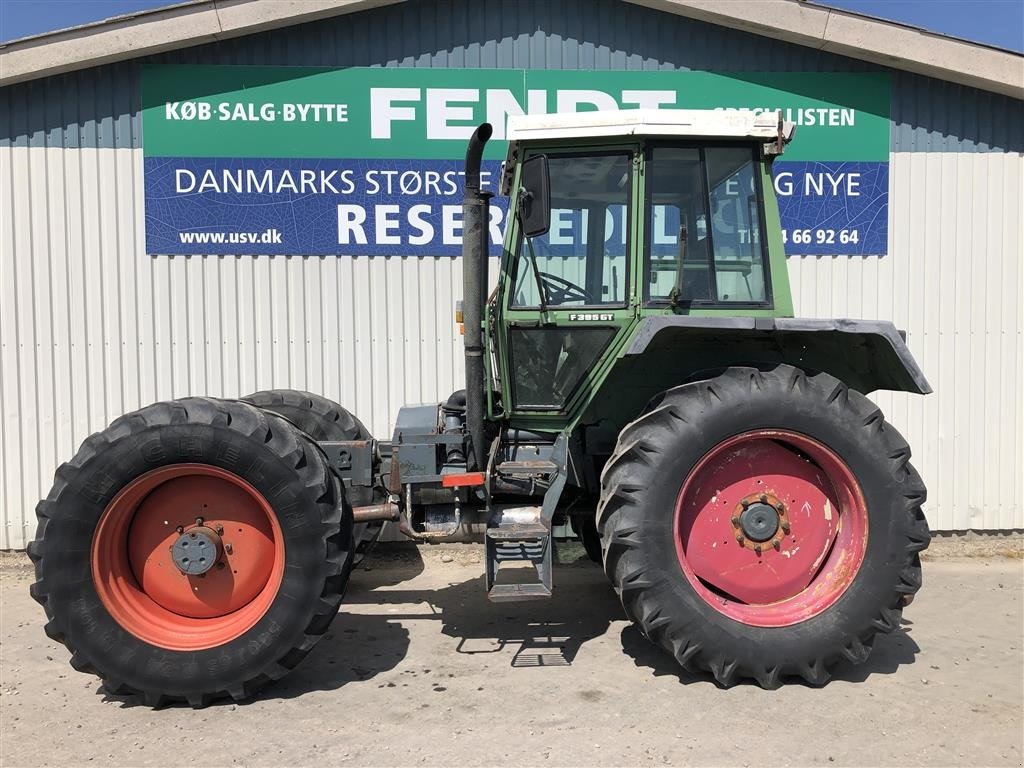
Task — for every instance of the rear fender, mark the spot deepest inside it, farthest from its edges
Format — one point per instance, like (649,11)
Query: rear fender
(867,355)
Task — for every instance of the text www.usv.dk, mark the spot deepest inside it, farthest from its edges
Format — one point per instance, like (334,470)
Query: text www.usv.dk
(219,238)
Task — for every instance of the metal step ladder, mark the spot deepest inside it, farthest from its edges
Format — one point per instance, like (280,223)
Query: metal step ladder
(523,533)
(519,541)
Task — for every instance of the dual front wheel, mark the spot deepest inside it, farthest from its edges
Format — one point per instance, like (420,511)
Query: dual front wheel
(192,550)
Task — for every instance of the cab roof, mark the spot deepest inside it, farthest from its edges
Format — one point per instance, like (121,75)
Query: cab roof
(711,123)
(767,127)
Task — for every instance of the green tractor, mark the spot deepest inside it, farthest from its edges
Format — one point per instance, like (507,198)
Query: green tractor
(637,370)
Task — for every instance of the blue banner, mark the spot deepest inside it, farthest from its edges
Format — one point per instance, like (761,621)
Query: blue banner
(288,206)
(833,208)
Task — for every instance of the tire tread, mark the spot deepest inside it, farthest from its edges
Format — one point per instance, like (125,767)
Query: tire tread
(620,518)
(289,444)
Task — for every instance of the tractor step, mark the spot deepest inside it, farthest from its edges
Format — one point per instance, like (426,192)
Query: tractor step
(518,532)
(506,593)
(525,468)
(519,542)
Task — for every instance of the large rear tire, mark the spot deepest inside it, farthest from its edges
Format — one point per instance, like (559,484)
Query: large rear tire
(194,549)
(321,419)
(763,524)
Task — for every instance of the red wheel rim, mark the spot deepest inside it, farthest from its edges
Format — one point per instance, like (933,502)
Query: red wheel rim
(143,589)
(725,511)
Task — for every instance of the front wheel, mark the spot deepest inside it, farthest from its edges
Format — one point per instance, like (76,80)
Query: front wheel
(763,524)
(192,550)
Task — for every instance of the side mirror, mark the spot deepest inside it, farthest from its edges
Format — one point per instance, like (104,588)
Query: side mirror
(535,196)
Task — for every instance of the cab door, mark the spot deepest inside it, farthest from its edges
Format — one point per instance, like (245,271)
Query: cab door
(567,296)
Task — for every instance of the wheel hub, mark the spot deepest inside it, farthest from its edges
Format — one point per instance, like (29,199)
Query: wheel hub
(760,519)
(759,522)
(197,550)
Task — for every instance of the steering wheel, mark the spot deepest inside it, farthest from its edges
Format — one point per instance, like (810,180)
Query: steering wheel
(562,291)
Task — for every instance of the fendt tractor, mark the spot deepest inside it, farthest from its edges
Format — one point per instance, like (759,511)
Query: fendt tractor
(637,371)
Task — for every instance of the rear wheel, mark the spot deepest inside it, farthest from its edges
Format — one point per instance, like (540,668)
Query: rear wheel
(321,419)
(192,550)
(763,524)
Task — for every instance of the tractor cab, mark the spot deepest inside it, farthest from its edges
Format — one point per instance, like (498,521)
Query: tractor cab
(617,216)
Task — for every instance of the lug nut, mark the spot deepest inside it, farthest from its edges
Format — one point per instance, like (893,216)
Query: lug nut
(219,529)
(180,529)
(735,521)
(785,527)
(745,503)
(228,549)
(776,544)
(739,538)
(757,548)
(764,498)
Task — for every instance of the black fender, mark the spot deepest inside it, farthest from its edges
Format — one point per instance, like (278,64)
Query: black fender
(867,355)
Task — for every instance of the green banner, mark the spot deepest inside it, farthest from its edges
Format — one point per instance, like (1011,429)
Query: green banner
(374,113)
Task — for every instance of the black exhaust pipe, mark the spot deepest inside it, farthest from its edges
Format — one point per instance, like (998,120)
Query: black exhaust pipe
(475,243)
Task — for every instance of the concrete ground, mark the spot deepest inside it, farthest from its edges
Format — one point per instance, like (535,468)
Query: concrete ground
(420,670)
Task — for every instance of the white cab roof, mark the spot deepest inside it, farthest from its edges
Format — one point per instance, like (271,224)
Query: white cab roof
(716,123)
(767,127)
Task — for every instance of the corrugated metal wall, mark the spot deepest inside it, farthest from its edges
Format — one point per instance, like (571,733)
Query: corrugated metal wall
(953,280)
(91,326)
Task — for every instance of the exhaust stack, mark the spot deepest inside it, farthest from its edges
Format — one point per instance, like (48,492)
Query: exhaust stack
(474,276)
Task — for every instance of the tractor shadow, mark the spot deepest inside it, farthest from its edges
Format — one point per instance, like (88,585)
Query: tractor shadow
(357,646)
(541,633)
(890,652)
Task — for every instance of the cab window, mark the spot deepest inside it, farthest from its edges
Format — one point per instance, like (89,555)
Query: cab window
(581,261)
(704,227)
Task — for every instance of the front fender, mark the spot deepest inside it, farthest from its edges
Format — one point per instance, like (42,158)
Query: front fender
(867,355)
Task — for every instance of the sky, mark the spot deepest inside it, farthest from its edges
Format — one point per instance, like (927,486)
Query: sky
(996,22)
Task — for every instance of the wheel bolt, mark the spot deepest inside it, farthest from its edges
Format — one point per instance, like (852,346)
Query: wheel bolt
(739,538)
(220,530)
(757,548)
(777,544)
(785,527)
(228,549)
(735,521)
(745,503)
(764,498)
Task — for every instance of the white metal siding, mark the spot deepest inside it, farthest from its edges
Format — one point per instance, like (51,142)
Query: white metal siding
(953,281)
(92,327)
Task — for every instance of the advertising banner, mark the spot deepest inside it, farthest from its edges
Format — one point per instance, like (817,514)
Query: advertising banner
(367,161)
